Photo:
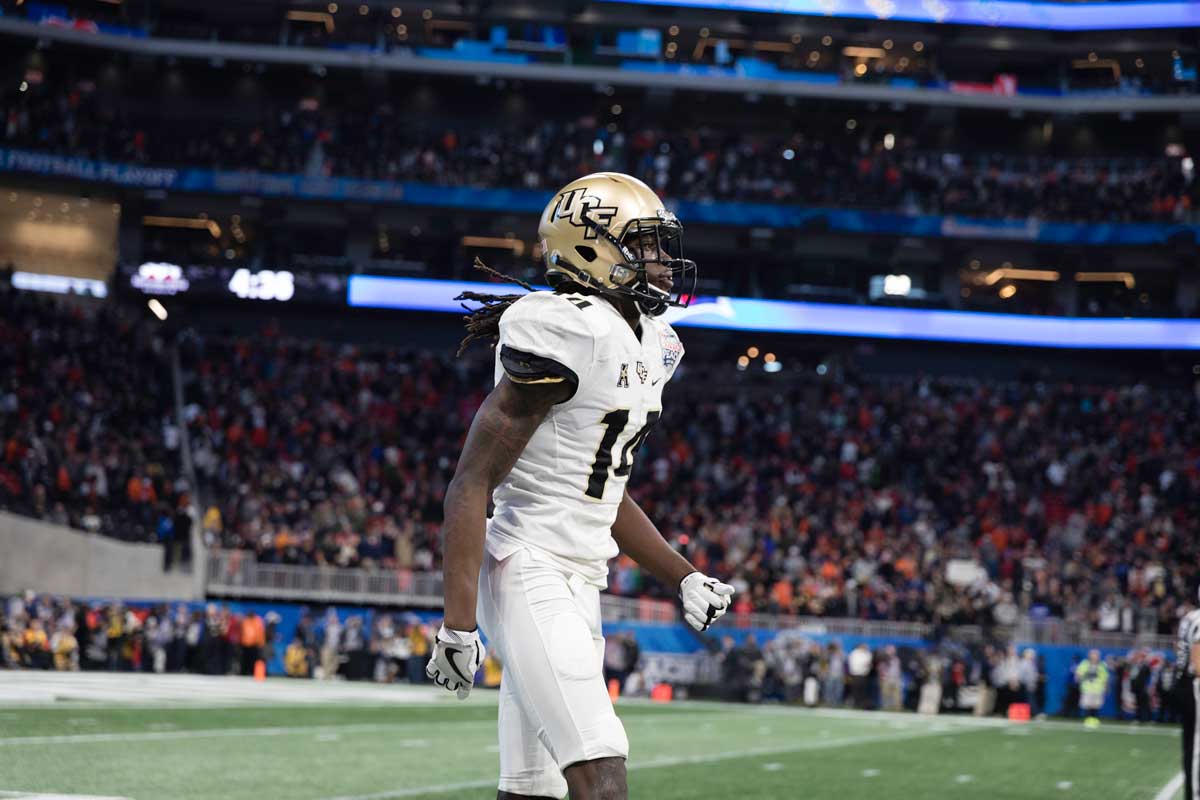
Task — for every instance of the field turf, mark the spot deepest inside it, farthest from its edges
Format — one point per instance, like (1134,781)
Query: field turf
(400,742)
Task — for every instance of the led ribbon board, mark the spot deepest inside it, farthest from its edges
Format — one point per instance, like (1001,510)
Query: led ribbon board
(1093,16)
(784,316)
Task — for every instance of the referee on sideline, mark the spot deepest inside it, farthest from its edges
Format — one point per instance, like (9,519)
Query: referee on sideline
(1187,684)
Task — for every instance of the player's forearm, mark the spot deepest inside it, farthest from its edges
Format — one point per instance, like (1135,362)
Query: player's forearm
(462,556)
(637,537)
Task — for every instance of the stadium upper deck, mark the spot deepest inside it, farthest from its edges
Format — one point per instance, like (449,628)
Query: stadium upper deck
(731,45)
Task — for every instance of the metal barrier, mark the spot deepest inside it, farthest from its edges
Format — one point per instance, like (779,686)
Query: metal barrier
(236,574)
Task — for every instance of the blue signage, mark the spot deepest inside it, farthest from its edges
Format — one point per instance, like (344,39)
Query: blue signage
(532,201)
(1083,16)
(827,319)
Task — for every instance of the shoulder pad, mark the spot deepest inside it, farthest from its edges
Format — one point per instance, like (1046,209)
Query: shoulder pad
(546,337)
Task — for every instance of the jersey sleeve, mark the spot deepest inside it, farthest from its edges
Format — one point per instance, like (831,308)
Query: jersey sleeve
(1188,633)
(672,349)
(544,338)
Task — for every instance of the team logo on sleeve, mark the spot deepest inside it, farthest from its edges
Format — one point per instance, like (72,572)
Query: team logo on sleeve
(572,205)
(672,348)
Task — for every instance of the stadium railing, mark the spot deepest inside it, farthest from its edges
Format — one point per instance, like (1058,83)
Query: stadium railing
(236,574)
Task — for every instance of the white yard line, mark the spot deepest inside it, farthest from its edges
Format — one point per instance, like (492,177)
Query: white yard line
(1172,786)
(903,716)
(666,761)
(158,734)
(24,690)
(221,733)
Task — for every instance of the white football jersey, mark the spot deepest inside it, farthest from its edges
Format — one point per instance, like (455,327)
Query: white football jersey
(562,495)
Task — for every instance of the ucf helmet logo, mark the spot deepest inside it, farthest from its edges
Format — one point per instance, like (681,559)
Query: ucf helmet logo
(572,205)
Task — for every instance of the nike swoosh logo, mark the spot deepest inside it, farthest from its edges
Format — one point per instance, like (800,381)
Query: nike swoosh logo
(655,382)
(450,653)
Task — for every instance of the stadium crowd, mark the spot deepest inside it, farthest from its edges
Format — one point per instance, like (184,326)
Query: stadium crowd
(815,161)
(923,500)
(50,632)
(937,501)
(87,425)
(863,498)
(948,676)
(55,633)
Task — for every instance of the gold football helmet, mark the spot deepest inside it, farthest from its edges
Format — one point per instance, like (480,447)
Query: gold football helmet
(600,231)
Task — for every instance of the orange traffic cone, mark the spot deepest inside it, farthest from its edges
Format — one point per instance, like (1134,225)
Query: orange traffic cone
(661,693)
(614,689)
(260,670)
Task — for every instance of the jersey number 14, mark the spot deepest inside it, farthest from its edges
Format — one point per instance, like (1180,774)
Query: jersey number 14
(614,423)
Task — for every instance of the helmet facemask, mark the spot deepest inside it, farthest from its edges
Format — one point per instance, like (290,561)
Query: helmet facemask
(646,241)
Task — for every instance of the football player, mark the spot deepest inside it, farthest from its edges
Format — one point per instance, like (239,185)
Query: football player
(580,372)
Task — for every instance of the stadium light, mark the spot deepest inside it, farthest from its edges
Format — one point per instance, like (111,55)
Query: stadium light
(194,223)
(897,285)
(854,51)
(157,309)
(1011,273)
(1106,277)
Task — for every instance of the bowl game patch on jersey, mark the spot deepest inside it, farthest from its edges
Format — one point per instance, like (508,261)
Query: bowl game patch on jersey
(672,348)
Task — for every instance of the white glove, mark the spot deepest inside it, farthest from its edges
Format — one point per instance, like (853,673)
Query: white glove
(457,656)
(704,599)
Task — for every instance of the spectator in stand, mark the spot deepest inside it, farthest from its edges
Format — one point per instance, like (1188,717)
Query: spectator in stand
(1030,678)
(331,643)
(419,643)
(616,661)
(835,675)
(253,639)
(1092,675)
(891,679)
(859,665)
(295,659)
(1006,678)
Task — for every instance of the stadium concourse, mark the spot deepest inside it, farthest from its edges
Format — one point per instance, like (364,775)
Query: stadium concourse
(85,736)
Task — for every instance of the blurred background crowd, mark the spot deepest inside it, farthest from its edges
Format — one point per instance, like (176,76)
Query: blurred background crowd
(916,499)
(87,420)
(55,633)
(51,632)
(821,160)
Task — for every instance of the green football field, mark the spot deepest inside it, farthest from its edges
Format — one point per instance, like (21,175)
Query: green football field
(131,746)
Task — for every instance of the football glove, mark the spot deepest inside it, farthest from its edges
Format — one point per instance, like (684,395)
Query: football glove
(704,599)
(457,656)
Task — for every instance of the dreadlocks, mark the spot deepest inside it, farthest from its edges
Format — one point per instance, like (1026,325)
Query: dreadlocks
(484,322)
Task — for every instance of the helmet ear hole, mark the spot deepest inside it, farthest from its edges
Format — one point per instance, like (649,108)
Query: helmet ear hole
(588,253)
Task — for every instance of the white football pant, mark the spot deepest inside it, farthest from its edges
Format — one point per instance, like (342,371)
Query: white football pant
(544,625)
